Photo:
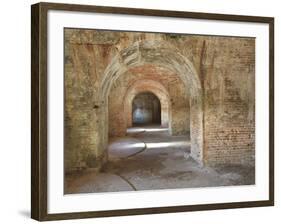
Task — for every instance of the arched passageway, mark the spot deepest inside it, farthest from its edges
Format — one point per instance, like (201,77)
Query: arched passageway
(154,87)
(159,53)
(146,109)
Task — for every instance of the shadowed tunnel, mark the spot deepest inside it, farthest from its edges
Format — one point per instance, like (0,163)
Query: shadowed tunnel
(146,109)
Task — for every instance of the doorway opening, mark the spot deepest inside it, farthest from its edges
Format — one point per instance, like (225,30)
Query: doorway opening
(146,109)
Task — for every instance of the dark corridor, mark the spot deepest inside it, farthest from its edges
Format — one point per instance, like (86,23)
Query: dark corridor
(146,109)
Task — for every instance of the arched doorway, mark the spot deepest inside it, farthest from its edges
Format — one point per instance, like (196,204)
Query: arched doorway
(146,109)
(158,53)
(147,86)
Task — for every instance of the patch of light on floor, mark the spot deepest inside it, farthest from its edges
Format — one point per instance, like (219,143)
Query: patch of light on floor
(136,145)
(126,145)
(136,130)
(167,144)
(155,129)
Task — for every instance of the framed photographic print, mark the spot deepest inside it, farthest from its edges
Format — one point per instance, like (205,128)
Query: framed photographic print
(139,111)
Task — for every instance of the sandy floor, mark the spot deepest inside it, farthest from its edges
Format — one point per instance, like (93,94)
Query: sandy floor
(149,158)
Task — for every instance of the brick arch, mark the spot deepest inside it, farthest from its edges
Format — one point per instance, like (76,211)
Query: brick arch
(147,86)
(159,53)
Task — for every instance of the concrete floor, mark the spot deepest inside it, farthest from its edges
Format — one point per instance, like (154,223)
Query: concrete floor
(149,158)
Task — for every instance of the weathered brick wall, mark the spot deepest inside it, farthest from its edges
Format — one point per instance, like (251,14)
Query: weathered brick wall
(229,101)
(222,113)
(84,142)
(226,67)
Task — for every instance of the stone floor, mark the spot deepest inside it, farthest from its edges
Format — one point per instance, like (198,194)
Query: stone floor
(149,158)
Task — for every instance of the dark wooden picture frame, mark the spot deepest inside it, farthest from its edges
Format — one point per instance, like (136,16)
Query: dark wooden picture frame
(39,110)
